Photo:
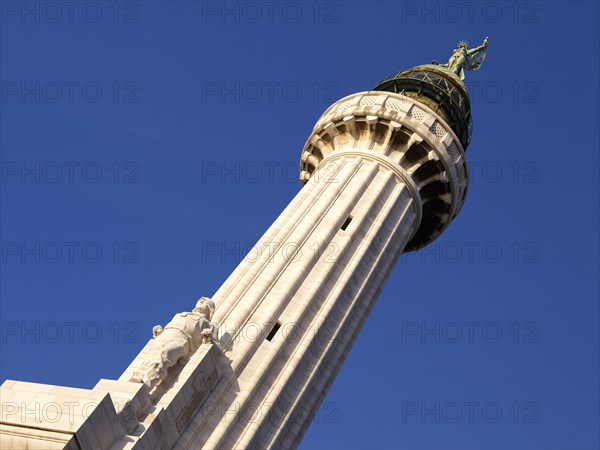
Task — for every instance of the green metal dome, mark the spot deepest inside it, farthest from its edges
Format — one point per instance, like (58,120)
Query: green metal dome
(438,88)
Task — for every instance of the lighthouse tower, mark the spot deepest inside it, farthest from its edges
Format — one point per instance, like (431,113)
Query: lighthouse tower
(383,172)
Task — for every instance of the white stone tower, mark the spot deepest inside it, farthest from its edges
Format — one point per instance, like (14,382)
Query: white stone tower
(384,172)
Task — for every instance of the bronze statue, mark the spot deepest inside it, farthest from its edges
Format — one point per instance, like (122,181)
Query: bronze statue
(462,58)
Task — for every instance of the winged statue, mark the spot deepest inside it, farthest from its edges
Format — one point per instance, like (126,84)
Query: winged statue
(464,58)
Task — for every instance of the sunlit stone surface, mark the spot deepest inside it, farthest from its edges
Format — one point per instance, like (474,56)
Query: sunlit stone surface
(383,172)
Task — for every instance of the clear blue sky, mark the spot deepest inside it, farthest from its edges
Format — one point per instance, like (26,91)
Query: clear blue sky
(146,144)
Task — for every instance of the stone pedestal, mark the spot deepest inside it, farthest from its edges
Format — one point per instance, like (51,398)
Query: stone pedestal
(115,414)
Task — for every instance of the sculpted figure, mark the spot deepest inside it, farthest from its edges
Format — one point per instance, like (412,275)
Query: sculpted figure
(179,339)
(462,58)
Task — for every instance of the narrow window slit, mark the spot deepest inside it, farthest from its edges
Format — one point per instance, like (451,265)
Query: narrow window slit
(273,331)
(346,223)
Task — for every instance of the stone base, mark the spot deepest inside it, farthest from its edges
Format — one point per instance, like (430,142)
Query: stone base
(115,414)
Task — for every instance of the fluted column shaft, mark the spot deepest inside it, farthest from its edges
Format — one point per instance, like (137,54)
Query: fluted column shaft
(317,273)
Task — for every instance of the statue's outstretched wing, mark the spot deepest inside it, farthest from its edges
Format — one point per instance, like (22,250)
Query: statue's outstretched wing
(475,60)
